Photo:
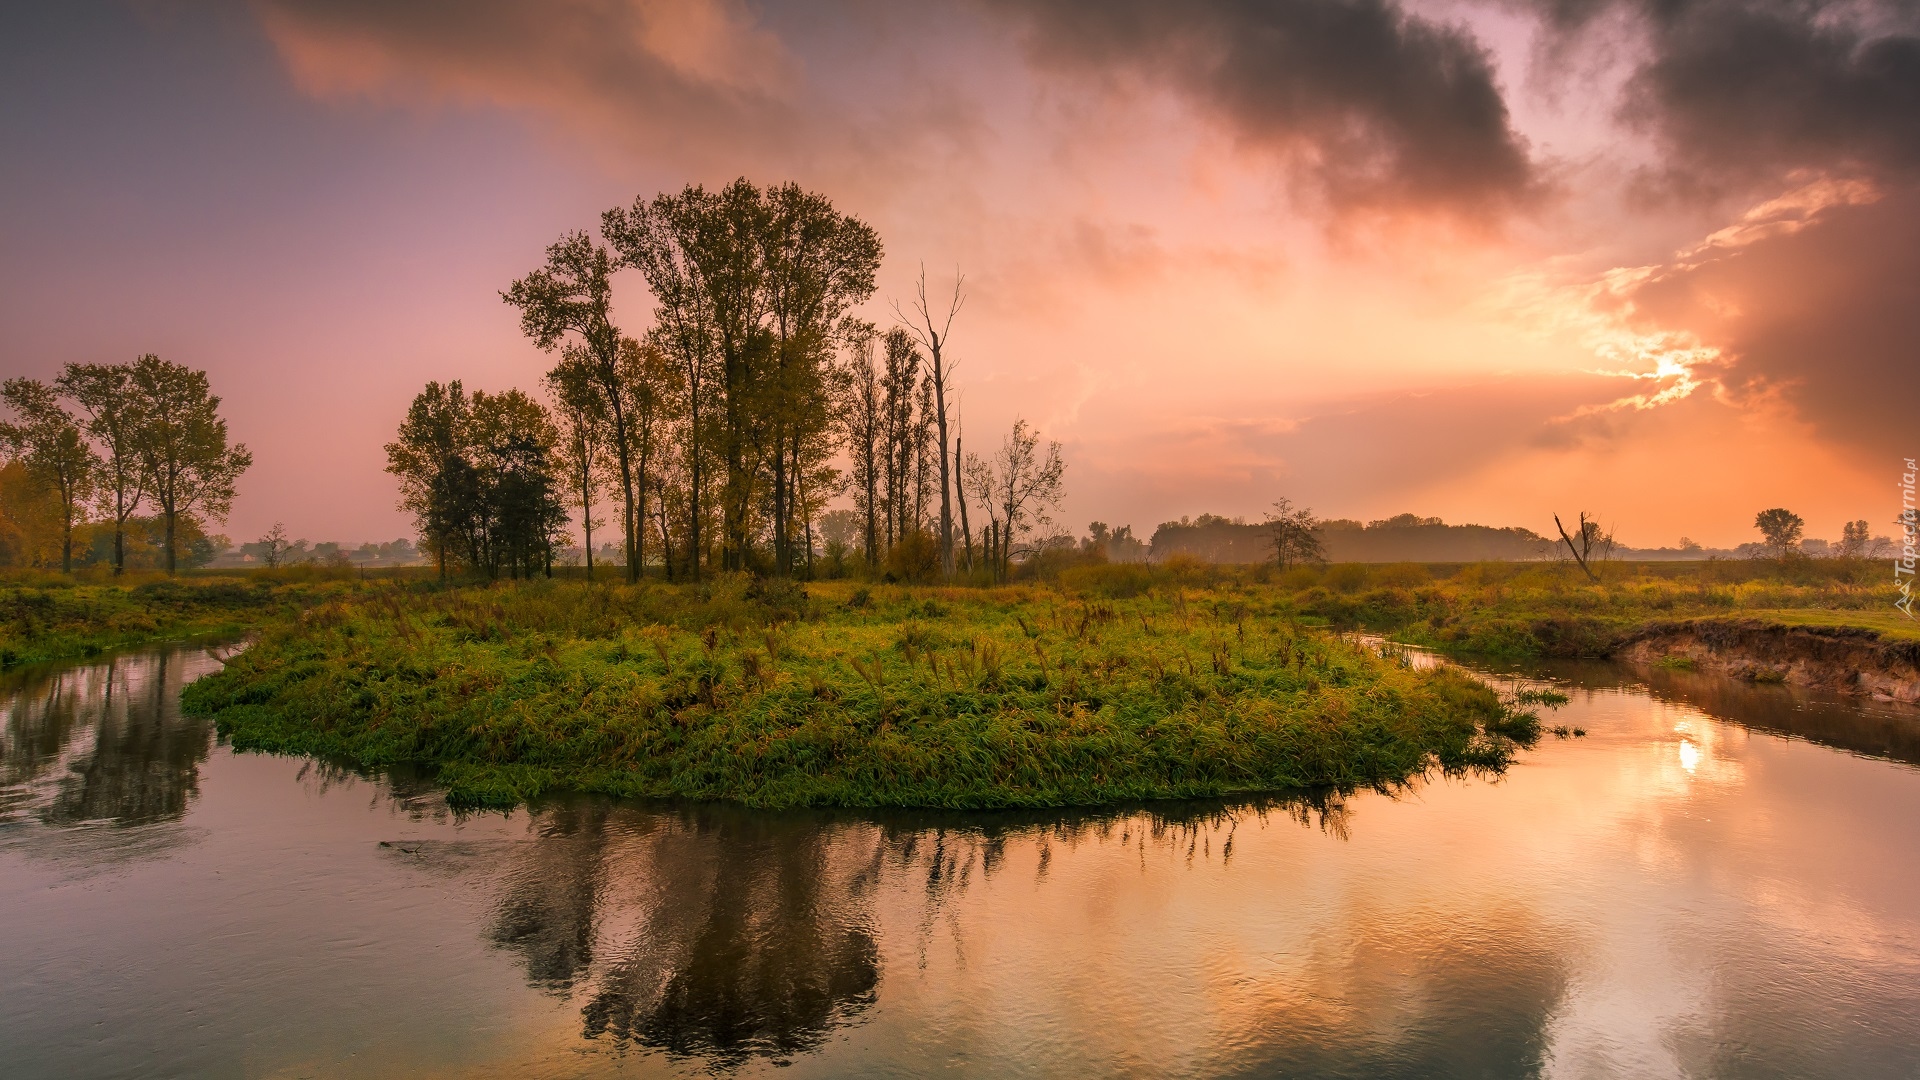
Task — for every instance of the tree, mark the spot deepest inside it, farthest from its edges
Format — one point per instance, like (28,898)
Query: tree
(819,264)
(274,546)
(752,288)
(1595,543)
(1855,536)
(29,518)
(657,238)
(182,442)
(46,440)
(899,431)
(651,390)
(1296,538)
(585,430)
(1017,490)
(960,498)
(434,431)
(934,340)
(572,297)
(105,393)
(520,512)
(863,421)
(1781,528)
(479,474)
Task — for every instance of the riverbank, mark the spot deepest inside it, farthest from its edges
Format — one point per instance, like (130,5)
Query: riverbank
(53,617)
(848,695)
(1847,659)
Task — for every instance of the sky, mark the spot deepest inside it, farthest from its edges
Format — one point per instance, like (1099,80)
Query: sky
(1658,260)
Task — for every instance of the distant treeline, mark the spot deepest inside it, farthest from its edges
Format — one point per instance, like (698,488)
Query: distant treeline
(1412,538)
(1405,538)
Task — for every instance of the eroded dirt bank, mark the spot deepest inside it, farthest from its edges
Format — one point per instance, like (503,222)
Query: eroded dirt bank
(1834,658)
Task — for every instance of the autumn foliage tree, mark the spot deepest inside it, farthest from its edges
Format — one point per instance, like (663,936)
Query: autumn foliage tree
(46,440)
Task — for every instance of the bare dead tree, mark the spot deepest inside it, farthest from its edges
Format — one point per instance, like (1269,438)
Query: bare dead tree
(934,340)
(1592,539)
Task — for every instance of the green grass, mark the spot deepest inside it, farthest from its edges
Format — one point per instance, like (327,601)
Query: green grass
(53,617)
(849,695)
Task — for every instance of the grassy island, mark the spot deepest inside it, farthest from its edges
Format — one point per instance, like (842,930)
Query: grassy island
(848,695)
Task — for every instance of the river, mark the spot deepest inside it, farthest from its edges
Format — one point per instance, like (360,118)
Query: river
(1716,880)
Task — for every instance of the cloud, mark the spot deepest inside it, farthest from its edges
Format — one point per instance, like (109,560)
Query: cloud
(1822,315)
(686,77)
(1739,93)
(1385,109)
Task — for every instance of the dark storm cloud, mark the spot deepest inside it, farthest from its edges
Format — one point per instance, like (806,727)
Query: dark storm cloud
(1827,316)
(1755,87)
(1384,107)
(1740,91)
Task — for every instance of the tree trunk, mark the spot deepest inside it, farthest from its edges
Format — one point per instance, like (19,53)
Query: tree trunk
(940,417)
(170,560)
(960,496)
(586,507)
(666,541)
(693,492)
(640,511)
(782,542)
(612,390)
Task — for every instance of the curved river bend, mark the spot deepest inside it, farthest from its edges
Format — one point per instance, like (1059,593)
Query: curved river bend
(1718,880)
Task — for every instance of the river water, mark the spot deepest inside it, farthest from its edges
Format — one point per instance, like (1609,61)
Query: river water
(1717,880)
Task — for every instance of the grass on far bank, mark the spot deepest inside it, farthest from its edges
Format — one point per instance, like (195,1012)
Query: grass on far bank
(848,695)
(1551,609)
(50,616)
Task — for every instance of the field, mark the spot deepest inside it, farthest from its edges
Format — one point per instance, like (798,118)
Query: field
(1549,609)
(849,695)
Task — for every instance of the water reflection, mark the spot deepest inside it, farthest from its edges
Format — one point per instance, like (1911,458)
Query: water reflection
(1670,896)
(726,934)
(102,744)
(1851,723)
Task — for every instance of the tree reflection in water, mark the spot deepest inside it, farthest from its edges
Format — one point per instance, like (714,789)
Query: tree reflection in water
(103,743)
(760,942)
(726,934)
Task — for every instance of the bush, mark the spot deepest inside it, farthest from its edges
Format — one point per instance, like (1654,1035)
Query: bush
(914,558)
(1116,581)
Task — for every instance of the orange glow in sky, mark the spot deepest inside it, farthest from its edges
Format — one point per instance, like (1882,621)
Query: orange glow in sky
(1487,261)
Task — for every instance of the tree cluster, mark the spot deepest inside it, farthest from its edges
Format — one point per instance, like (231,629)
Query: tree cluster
(481,474)
(109,439)
(717,431)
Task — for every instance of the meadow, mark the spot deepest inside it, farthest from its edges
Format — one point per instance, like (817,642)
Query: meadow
(1550,609)
(847,694)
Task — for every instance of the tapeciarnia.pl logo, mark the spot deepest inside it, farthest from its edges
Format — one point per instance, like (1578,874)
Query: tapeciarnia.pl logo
(1903,562)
